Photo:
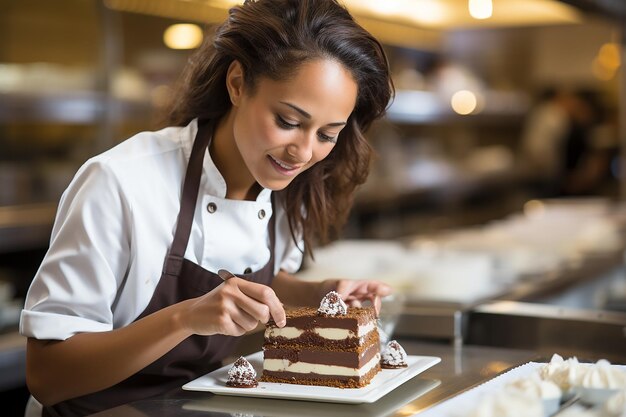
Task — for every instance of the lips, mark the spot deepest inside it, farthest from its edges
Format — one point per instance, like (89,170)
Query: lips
(283,167)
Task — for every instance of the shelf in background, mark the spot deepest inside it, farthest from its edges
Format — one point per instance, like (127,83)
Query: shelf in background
(25,227)
(425,107)
(389,197)
(80,107)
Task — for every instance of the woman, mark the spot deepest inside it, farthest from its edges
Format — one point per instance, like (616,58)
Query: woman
(280,97)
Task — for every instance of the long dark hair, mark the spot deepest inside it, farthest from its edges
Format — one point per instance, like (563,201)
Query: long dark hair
(272,38)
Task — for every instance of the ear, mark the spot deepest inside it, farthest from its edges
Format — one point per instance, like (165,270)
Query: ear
(235,82)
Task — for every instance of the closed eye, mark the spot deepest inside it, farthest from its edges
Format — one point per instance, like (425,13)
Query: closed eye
(326,138)
(285,124)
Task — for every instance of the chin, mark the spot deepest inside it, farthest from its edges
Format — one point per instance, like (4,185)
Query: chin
(274,185)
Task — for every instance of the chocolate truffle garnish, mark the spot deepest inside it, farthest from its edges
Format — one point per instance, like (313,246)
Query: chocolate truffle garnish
(242,374)
(332,305)
(393,356)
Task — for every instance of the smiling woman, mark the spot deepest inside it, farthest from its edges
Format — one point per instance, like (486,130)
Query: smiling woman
(273,134)
(269,42)
(267,135)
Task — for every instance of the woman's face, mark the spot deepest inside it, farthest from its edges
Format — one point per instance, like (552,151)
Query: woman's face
(287,126)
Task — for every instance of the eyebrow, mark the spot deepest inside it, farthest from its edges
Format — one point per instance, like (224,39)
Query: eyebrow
(307,115)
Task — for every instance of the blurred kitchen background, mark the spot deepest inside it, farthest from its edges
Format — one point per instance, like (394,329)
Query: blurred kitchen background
(495,198)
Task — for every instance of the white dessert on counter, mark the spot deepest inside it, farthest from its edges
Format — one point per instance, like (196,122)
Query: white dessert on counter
(595,383)
(603,375)
(540,389)
(535,387)
(508,404)
(564,373)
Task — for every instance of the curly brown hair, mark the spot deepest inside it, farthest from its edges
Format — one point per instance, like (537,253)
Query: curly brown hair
(273,38)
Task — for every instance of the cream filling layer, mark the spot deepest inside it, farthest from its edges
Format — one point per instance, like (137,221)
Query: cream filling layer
(326,333)
(283,365)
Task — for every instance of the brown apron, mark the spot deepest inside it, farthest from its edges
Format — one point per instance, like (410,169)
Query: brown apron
(181,280)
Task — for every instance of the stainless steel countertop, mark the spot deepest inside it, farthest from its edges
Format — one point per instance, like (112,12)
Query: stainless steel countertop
(461,368)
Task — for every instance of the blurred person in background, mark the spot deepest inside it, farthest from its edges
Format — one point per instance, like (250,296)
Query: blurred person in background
(590,144)
(568,143)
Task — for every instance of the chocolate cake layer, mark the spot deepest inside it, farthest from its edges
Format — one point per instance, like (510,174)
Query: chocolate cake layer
(338,381)
(322,357)
(349,344)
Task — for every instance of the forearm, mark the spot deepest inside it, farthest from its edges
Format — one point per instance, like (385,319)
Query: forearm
(90,362)
(292,291)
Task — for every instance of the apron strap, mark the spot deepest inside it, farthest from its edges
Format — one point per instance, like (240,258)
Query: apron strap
(191,186)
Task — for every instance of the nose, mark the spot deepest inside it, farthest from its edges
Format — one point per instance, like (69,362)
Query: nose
(302,148)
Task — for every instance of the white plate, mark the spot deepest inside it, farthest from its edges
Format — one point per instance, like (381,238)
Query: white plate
(268,407)
(383,383)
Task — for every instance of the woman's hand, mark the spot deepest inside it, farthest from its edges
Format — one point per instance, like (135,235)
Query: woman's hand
(233,308)
(90,362)
(293,291)
(355,292)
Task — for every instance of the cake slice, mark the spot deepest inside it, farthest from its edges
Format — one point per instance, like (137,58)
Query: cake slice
(332,346)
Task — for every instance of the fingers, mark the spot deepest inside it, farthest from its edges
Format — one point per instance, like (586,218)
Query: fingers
(353,302)
(243,321)
(355,292)
(234,322)
(232,308)
(382,289)
(377,304)
(261,302)
(347,289)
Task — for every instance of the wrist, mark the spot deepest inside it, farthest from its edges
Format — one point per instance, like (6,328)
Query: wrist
(180,318)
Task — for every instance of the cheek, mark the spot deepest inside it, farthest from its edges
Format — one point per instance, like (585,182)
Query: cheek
(270,137)
(324,151)
(251,131)
(320,153)
(262,129)
(267,132)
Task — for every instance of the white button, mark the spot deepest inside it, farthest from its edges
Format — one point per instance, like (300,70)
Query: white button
(211,207)
(261,214)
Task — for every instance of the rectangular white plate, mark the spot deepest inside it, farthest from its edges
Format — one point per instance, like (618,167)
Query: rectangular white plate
(269,407)
(383,383)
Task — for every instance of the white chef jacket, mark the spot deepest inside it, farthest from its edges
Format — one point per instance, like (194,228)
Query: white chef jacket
(115,224)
